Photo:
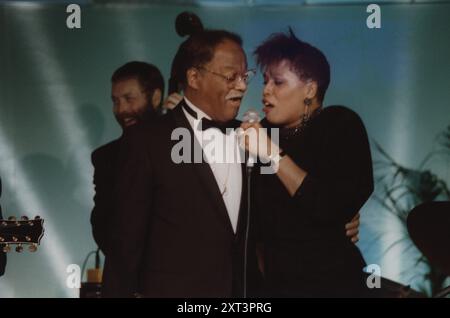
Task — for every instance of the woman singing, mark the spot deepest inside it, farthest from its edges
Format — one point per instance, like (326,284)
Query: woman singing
(324,177)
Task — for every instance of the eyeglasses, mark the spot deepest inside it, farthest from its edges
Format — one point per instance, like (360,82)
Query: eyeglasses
(235,78)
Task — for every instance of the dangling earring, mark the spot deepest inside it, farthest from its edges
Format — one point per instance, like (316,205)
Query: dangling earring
(306,114)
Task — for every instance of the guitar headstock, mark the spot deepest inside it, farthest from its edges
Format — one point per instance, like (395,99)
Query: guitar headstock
(21,232)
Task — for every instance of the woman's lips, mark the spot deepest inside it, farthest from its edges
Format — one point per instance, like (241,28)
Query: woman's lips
(267,107)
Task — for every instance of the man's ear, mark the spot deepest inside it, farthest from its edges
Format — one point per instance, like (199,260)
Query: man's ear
(311,89)
(193,77)
(156,98)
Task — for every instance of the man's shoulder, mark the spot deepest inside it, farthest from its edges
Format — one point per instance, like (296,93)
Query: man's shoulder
(160,123)
(340,113)
(106,151)
(341,124)
(148,136)
(158,129)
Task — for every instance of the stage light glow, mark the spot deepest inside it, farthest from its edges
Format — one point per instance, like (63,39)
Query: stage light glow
(132,39)
(395,244)
(17,182)
(25,5)
(61,97)
(62,103)
(7,291)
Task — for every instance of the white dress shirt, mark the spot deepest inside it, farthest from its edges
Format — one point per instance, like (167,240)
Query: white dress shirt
(221,152)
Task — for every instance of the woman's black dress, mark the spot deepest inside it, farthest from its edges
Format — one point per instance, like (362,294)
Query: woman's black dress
(306,251)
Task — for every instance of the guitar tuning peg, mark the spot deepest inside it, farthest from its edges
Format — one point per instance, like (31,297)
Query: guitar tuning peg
(32,248)
(24,218)
(12,218)
(37,217)
(6,248)
(19,248)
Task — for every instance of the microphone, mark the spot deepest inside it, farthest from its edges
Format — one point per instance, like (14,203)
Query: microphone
(93,287)
(251,116)
(94,275)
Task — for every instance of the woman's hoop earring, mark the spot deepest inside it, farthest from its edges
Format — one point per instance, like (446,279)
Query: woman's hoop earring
(306,114)
(307,101)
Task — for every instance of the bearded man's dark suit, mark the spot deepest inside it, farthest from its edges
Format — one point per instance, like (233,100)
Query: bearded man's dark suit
(104,159)
(2,254)
(171,231)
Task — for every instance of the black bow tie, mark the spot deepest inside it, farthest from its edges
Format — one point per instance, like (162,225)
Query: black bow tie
(231,125)
(208,123)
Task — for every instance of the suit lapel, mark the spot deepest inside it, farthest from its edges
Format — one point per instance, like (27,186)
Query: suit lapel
(204,172)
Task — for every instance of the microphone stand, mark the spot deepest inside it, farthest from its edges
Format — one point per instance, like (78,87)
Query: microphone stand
(250,116)
(249,170)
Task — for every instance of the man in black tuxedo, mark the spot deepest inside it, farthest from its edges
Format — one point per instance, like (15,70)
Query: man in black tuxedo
(2,254)
(180,228)
(136,92)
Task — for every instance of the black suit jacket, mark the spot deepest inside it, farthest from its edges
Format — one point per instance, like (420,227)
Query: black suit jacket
(104,159)
(171,232)
(2,255)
